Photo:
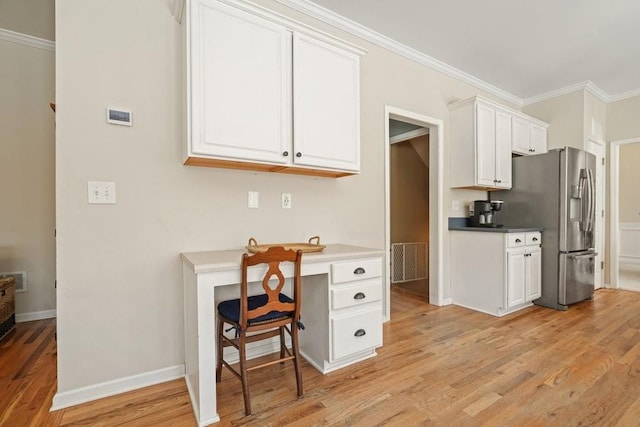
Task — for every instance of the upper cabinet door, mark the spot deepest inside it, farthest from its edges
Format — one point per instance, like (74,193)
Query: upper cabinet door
(521,136)
(241,85)
(485,145)
(538,139)
(503,149)
(326,103)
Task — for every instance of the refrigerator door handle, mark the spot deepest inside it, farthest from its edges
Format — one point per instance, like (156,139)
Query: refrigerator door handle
(584,207)
(591,201)
(583,255)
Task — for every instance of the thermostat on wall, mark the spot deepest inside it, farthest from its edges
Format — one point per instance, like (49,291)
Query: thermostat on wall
(119,117)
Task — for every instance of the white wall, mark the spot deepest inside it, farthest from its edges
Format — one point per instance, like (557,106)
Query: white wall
(27,147)
(119,272)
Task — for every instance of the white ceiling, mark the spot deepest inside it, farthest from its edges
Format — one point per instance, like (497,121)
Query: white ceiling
(522,47)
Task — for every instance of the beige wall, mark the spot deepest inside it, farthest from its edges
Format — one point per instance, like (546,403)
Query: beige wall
(565,115)
(629,183)
(32,17)
(119,272)
(622,119)
(27,149)
(409,175)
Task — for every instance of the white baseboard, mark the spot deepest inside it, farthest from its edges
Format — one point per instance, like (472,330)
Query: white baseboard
(36,315)
(120,385)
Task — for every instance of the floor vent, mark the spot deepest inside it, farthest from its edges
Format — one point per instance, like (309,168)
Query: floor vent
(20,278)
(408,262)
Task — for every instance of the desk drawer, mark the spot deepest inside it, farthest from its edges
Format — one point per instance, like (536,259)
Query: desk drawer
(357,294)
(352,334)
(350,271)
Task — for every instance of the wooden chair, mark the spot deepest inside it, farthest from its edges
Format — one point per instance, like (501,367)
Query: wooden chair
(262,316)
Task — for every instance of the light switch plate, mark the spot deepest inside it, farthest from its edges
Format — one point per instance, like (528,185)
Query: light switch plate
(101,193)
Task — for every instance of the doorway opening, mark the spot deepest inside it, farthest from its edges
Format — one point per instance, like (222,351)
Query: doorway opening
(409,214)
(624,233)
(414,142)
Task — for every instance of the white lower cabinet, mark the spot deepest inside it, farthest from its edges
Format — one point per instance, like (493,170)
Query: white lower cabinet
(345,319)
(496,273)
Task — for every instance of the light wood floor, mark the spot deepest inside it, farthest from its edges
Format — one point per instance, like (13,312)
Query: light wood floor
(439,366)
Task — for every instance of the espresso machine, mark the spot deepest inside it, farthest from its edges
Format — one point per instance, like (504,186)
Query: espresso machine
(484,213)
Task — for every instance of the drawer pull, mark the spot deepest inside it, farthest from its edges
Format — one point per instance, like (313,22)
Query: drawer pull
(358,270)
(359,295)
(360,333)
(535,239)
(518,241)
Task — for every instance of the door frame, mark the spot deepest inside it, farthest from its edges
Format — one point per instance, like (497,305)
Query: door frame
(614,208)
(436,200)
(603,198)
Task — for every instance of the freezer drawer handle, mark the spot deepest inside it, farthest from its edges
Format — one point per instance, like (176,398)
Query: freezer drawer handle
(359,270)
(360,333)
(585,256)
(359,295)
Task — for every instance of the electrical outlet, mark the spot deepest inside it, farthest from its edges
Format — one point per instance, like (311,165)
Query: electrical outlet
(253,200)
(286,200)
(455,205)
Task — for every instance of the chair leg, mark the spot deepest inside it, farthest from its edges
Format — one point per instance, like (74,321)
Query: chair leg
(219,350)
(243,373)
(296,360)
(282,344)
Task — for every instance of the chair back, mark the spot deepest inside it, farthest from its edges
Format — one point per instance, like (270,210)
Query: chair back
(272,257)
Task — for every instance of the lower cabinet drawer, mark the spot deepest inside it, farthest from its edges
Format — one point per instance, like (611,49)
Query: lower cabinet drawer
(352,334)
(361,269)
(353,295)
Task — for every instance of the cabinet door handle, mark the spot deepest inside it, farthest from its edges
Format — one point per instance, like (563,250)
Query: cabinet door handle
(359,270)
(4,292)
(518,241)
(360,333)
(359,295)
(286,153)
(298,154)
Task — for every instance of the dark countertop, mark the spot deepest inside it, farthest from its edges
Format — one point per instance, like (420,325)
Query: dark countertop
(462,224)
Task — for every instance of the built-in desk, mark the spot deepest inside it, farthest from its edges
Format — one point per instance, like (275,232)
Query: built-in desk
(342,290)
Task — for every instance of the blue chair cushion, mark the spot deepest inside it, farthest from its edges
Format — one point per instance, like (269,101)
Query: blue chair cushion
(231,309)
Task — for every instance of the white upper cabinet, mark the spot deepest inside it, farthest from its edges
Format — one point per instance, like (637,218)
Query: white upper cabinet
(326,105)
(480,155)
(265,93)
(241,85)
(529,136)
(483,135)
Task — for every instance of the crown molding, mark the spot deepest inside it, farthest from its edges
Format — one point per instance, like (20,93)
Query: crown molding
(325,15)
(587,86)
(624,95)
(332,18)
(562,91)
(27,40)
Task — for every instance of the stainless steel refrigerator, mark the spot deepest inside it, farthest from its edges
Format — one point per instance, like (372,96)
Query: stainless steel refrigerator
(556,190)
